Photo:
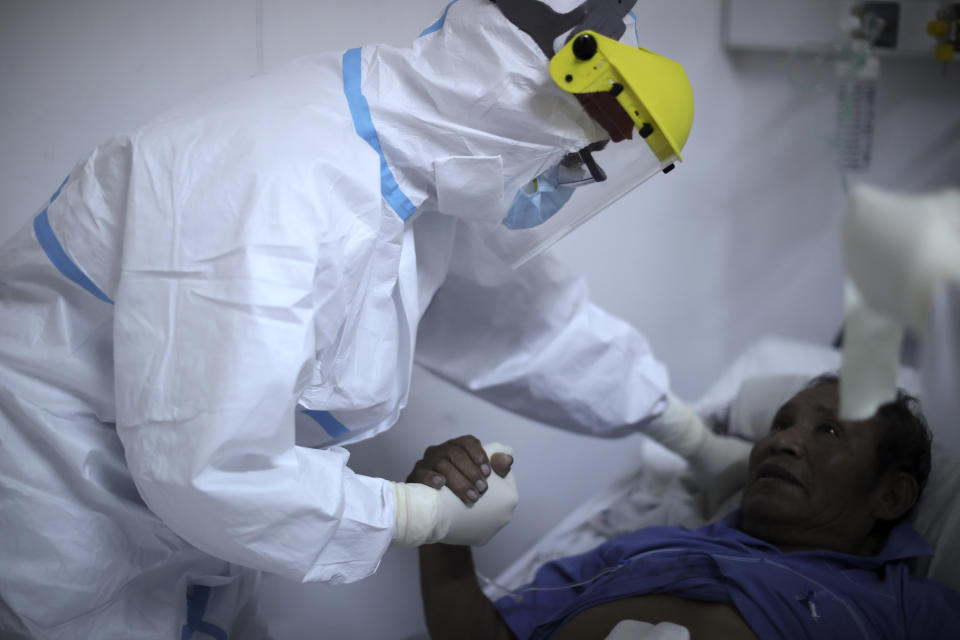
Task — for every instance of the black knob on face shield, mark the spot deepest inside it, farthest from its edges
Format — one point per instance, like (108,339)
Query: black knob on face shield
(544,25)
(585,47)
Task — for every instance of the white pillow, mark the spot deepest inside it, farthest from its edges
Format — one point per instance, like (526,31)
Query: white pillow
(769,356)
(938,520)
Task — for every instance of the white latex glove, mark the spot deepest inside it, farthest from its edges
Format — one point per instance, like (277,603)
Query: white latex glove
(720,462)
(426,515)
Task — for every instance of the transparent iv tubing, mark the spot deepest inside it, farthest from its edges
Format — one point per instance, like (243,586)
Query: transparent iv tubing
(517,594)
(851,71)
(857,78)
(858,73)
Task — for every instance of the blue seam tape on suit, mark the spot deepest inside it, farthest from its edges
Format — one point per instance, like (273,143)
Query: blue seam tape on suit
(636,29)
(325,419)
(363,124)
(56,254)
(59,189)
(436,26)
(197,599)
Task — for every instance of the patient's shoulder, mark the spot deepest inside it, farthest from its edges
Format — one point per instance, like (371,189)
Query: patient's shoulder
(932,609)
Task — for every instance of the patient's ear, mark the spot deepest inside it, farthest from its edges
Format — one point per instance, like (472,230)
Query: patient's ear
(899,492)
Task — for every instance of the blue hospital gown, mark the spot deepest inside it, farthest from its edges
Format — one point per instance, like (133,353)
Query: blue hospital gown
(800,594)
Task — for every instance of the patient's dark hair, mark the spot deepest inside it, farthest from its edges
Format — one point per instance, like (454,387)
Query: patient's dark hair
(905,442)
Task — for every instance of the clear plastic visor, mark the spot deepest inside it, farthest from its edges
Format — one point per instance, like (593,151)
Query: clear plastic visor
(626,165)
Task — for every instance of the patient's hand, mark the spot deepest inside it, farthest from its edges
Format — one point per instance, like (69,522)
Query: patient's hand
(453,604)
(460,464)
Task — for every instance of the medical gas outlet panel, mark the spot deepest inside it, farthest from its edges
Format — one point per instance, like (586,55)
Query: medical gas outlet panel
(915,29)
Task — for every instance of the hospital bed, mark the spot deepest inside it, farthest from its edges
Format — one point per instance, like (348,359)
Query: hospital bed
(741,403)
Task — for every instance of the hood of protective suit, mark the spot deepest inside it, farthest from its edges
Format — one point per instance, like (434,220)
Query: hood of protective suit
(469,113)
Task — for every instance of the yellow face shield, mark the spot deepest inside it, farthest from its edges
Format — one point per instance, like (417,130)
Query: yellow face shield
(643,101)
(653,92)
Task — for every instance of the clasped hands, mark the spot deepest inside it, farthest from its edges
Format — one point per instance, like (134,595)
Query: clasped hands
(460,492)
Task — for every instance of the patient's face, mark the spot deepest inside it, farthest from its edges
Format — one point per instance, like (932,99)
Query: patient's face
(812,480)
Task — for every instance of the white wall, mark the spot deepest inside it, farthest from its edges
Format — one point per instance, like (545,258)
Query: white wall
(740,241)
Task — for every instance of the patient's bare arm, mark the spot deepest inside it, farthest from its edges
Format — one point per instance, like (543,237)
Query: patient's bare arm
(454,605)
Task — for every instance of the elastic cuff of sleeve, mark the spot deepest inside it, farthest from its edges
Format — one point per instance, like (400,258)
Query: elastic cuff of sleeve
(678,428)
(418,515)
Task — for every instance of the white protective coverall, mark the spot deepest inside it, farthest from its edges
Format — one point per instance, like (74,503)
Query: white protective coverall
(261,258)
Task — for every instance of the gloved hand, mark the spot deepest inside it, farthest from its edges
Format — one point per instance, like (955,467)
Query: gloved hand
(720,462)
(426,515)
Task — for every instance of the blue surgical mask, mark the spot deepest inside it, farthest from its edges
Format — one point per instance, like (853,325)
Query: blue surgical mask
(537,201)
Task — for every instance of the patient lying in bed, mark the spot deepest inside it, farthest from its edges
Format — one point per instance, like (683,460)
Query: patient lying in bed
(818,549)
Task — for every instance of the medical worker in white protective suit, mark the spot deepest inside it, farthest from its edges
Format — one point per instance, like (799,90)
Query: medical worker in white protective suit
(270,255)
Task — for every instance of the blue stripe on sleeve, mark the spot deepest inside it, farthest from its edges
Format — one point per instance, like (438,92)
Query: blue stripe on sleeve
(363,123)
